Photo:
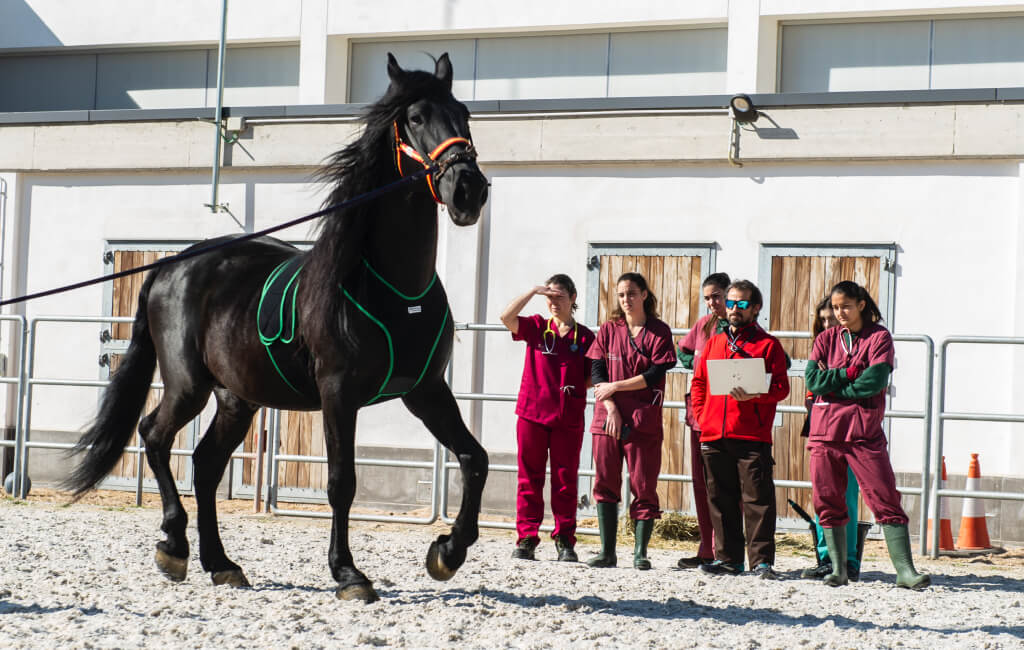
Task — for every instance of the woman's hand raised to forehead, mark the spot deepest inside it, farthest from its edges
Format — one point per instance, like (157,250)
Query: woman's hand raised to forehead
(541,290)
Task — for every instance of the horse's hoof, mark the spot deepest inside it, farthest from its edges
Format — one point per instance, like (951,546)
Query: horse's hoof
(364,593)
(175,568)
(231,577)
(435,565)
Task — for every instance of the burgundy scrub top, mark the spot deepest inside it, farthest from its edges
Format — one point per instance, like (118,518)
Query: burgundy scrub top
(553,391)
(835,419)
(641,408)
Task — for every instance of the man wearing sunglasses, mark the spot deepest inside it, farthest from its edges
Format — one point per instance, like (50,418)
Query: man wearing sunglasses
(736,439)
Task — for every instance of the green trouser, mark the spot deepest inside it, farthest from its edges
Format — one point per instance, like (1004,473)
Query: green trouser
(852,493)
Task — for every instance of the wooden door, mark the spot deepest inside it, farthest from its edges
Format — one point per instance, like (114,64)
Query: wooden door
(302,433)
(798,283)
(675,280)
(124,302)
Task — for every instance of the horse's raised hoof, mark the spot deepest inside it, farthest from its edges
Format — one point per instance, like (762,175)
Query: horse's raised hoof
(435,565)
(231,577)
(175,568)
(364,593)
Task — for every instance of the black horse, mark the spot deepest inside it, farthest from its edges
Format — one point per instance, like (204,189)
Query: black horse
(372,325)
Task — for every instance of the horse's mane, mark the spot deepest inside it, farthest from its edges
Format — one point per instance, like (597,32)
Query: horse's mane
(361,166)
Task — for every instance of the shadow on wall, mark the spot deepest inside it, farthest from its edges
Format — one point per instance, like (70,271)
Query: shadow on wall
(21,26)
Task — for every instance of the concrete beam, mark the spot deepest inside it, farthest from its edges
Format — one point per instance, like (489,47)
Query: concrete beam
(864,133)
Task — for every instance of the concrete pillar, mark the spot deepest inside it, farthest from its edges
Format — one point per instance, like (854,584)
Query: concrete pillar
(313,52)
(742,49)
(752,45)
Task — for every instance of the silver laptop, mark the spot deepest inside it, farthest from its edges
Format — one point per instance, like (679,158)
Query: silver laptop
(726,374)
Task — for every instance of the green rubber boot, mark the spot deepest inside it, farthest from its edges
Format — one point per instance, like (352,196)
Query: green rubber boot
(835,538)
(644,528)
(897,539)
(608,523)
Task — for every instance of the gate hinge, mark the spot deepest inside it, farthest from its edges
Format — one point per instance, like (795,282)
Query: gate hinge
(108,257)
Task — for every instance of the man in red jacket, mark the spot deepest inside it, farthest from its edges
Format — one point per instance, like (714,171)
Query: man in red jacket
(736,439)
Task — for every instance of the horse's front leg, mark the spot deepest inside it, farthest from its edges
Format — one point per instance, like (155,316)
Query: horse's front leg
(339,432)
(435,405)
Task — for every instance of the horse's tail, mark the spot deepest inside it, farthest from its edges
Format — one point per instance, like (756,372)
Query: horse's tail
(121,406)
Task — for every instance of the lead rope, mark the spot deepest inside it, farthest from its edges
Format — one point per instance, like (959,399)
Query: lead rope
(184,255)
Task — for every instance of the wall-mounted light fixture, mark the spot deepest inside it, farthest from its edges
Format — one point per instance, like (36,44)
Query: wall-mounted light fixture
(743,112)
(743,109)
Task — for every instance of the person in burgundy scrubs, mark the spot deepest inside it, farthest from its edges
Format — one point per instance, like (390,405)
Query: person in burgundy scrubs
(689,350)
(848,372)
(552,399)
(632,353)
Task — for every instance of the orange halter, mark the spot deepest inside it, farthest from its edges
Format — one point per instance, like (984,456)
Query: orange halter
(402,147)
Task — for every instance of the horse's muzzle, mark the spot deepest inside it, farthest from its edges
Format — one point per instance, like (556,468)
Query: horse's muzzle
(468,195)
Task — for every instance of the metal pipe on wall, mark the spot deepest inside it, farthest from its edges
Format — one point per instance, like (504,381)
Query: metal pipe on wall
(214,204)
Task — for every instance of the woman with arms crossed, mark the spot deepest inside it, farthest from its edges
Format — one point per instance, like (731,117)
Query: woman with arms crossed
(552,398)
(631,354)
(848,372)
(825,318)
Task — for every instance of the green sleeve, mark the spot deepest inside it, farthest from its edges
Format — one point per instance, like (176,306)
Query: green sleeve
(824,382)
(685,358)
(871,382)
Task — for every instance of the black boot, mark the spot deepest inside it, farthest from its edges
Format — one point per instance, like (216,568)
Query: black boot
(525,548)
(644,528)
(566,552)
(607,522)
(824,566)
(862,534)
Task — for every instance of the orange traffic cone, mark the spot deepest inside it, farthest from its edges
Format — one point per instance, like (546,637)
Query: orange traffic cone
(973,528)
(945,524)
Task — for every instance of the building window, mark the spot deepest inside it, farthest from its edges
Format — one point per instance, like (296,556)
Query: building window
(903,55)
(266,75)
(611,64)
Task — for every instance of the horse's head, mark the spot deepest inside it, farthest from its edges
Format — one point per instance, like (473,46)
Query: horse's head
(434,126)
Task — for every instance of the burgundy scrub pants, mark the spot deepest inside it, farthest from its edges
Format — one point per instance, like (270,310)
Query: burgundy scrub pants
(643,458)
(535,443)
(869,461)
(706,549)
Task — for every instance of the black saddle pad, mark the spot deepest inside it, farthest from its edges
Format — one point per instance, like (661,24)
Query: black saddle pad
(276,317)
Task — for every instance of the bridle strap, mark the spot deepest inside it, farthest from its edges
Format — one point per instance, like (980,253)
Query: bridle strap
(401,147)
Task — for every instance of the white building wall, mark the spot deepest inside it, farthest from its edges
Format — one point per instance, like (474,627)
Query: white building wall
(935,212)
(952,199)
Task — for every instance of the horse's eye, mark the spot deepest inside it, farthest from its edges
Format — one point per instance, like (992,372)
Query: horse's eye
(416,119)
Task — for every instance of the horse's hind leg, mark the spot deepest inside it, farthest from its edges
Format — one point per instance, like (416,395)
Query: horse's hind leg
(158,430)
(226,432)
(340,439)
(435,405)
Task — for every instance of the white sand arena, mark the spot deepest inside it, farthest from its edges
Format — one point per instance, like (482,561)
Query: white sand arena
(84,576)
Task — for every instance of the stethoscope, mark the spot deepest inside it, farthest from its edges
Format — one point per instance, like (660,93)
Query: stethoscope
(848,349)
(550,349)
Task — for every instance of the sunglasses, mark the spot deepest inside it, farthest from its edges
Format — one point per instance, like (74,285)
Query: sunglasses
(741,304)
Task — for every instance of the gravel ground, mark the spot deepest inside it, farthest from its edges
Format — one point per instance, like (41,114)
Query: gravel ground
(83,576)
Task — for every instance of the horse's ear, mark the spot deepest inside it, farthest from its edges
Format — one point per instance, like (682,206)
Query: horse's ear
(443,70)
(395,71)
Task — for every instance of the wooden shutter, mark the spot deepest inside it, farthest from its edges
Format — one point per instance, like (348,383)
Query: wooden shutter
(675,280)
(798,283)
(124,302)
